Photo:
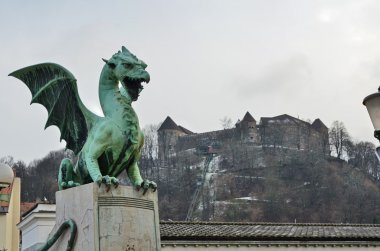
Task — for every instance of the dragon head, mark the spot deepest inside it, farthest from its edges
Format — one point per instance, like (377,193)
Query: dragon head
(129,71)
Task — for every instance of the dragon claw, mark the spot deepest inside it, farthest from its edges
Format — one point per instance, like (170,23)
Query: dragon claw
(99,180)
(146,184)
(69,184)
(115,181)
(108,181)
(72,184)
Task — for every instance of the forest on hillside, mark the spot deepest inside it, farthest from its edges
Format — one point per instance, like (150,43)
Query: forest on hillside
(245,182)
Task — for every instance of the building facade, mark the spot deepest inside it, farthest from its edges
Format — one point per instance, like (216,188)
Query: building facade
(36,225)
(192,236)
(10,216)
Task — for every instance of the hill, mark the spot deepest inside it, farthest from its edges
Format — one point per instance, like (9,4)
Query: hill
(266,185)
(242,181)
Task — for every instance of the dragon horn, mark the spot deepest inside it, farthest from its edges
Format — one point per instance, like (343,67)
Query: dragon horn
(105,60)
(123,49)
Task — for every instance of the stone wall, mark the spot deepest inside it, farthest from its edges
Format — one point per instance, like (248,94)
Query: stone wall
(200,139)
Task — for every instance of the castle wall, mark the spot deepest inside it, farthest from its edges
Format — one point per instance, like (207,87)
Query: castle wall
(208,138)
(283,133)
(319,141)
(293,135)
(167,142)
(248,132)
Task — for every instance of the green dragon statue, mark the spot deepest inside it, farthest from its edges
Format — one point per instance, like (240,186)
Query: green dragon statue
(105,145)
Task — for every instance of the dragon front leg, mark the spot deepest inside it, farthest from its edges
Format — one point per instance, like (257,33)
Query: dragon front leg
(96,176)
(137,181)
(94,151)
(66,175)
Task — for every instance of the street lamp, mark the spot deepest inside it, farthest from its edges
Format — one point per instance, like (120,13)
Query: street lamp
(6,179)
(372,102)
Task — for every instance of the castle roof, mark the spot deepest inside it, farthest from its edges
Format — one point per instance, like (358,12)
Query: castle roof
(183,129)
(168,124)
(248,118)
(283,117)
(319,125)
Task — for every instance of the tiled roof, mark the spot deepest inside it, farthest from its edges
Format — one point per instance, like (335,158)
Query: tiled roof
(26,206)
(212,231)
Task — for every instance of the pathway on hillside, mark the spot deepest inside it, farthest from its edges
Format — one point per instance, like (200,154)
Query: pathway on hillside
(199,188)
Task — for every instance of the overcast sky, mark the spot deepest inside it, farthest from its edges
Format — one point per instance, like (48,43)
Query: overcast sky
(207,60)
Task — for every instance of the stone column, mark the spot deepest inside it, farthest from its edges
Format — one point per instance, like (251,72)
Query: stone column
(120,219)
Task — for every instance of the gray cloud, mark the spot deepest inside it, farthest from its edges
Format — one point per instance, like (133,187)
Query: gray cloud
(283,76)
(207,60)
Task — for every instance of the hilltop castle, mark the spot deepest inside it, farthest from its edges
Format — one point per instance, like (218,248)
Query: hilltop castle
(281,131)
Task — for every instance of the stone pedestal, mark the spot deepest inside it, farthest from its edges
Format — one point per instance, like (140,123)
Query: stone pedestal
(121,219)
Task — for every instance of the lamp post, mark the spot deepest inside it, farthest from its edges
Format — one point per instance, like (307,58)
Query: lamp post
(372,102)
(6,179)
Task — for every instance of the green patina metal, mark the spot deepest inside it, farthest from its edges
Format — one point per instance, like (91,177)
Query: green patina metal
(65,225)
(105,145)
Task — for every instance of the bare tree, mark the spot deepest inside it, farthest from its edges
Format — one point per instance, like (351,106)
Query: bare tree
(226,122)
(339,138)
(150,148)
(362,156)
(9,160)
(149,153)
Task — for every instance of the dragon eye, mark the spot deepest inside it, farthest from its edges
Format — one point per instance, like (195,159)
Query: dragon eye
(128,65)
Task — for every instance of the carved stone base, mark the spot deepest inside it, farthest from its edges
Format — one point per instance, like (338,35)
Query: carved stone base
(121,219)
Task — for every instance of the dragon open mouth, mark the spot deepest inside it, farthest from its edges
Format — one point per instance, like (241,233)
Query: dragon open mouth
(133,86)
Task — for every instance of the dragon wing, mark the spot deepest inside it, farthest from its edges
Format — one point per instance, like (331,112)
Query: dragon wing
(55,88)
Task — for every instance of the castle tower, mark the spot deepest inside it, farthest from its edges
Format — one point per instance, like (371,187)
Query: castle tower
(248,129)
(323,138)
(168,134)
(320,127)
